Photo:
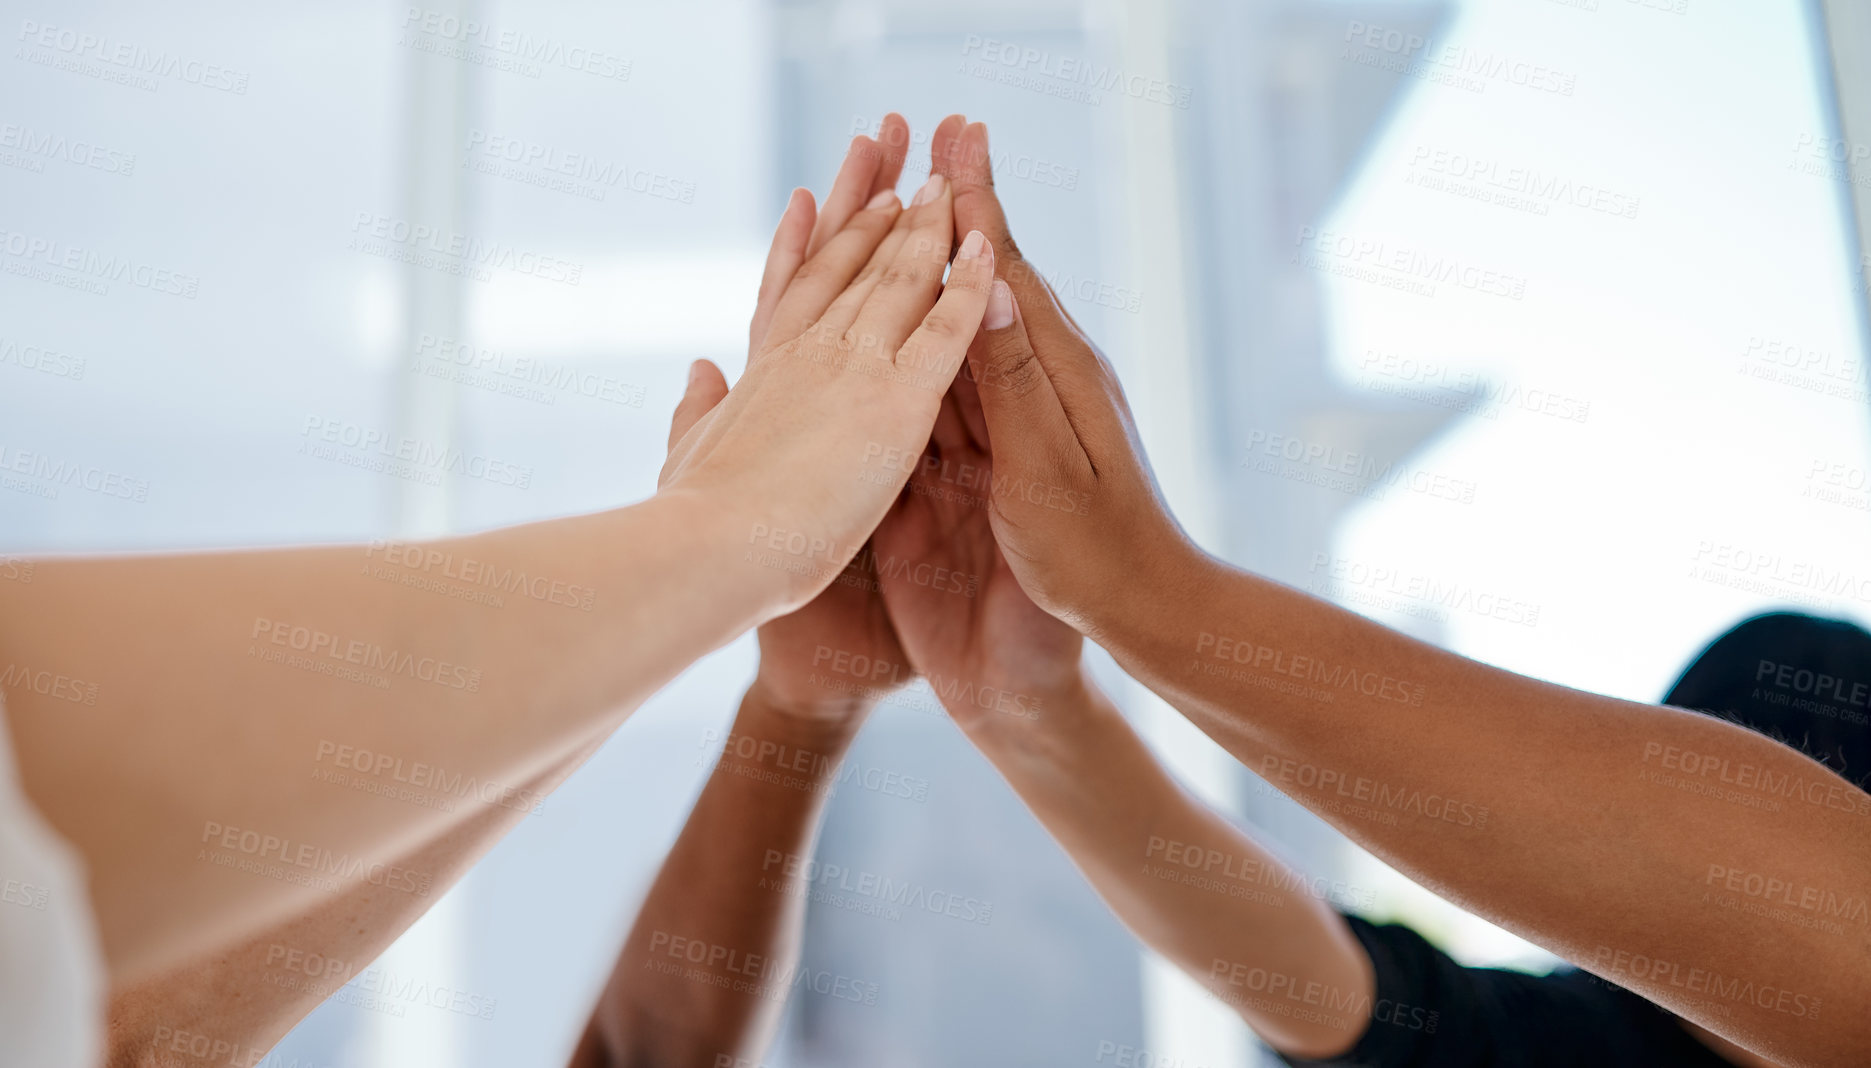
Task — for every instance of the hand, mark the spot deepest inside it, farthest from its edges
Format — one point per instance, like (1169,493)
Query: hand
(843,367)
(988,649)
(1075,509)
(848,617)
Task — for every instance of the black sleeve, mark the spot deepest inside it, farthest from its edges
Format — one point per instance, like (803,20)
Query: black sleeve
(1430,1012)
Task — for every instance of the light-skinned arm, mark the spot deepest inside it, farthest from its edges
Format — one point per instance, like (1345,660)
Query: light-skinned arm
(1586,824)
(183,694)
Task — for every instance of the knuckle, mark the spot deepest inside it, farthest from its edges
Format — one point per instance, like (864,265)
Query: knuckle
(1013,368)
(901,275)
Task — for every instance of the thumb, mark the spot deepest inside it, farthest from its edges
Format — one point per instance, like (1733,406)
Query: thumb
(1026,425)
(705,390)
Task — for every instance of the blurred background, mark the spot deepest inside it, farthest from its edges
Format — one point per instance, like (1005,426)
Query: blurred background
(1534,328)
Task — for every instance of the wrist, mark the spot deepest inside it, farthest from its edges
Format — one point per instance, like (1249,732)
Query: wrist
(826,724)
(1167,580)
(720,533)
(989,714)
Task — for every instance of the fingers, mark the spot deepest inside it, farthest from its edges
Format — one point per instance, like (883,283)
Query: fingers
(905,289)
(1026,425)
(705,390)
(844,311)
(935,351)
(788,251)
(851,190)
(959,152)
(893,141)
(827,273)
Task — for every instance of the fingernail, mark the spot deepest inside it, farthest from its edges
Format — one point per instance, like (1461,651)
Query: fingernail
(881,199)
(971,245)
(999,306)
(695,372)
(931,189)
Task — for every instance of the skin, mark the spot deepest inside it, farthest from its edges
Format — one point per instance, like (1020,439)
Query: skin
(250,995)
(145,782)
(1580,851)
(1078,765)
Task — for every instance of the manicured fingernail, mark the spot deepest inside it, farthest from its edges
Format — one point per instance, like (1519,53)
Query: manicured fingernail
(971,245)
(999,307)
(881,199)
(931,189)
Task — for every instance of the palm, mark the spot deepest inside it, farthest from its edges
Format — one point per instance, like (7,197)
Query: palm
(996,638)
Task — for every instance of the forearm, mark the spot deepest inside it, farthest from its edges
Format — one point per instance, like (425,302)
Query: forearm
(1530,803)
(213,689)
(703,972)
(1184,880)
(246,999)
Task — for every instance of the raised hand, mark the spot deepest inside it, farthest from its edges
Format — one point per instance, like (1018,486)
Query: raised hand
(1074,503)
(848,616)
(861,340)
(989,650)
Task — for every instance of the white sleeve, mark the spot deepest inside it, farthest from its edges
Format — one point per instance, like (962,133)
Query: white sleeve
(51,972)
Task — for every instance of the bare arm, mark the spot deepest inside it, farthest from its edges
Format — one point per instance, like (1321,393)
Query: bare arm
(243,1001)
(1009,675)
(1185,881)
(1586,824)
(731,896)
(213,674)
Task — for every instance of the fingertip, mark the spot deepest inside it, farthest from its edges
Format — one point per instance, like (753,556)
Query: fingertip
(1002,309)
